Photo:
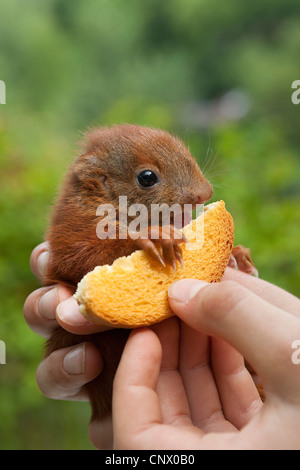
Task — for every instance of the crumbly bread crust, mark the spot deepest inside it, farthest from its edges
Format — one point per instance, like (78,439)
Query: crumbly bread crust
(132,292)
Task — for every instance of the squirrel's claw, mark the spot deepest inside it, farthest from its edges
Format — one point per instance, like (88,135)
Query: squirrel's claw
(240,259)
(164,246)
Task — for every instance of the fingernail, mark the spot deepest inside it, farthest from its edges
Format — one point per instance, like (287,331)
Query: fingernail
(74,360)
(68,312)
(185,289)
(48,303)
(42,263)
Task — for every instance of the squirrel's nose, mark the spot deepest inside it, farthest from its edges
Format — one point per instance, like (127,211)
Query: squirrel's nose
(200,199)
(204,195)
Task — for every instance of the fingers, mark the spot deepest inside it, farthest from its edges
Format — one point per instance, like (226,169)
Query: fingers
(47,306)
(272,294)
(101,434)
(134,387)
(221,392)
(239,396)
(69,317)
(39,260)
(63,374)
(260,331)
(135,395)
(170,388)
(199,381)
(40,309)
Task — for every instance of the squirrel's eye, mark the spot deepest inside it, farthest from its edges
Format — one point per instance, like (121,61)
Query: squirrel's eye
(147,178)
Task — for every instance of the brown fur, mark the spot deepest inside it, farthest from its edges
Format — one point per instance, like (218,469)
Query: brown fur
(107,169)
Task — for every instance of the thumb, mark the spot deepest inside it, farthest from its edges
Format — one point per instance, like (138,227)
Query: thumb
(261,332)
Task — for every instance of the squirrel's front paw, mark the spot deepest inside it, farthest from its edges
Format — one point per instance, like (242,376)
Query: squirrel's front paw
(240,259)
(162,243)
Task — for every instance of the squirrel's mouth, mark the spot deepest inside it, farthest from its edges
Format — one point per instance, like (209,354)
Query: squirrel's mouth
(180,220)
(188,212)
(179,216)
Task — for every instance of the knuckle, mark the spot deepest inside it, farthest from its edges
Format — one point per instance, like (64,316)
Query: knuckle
(45,380)
(50,378)
(30,308)
(35,258)
(228,287)
(34,313)
(218,300)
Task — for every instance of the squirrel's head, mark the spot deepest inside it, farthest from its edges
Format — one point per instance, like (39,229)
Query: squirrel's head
(148,166)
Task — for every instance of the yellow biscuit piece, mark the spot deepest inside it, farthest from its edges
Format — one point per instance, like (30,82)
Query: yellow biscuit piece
(132,292)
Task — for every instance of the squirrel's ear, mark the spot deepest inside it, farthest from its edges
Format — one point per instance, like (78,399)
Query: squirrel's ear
(103,179)
(86,165)
(87,169)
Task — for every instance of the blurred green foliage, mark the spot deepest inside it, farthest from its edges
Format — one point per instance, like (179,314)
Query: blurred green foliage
(70,65)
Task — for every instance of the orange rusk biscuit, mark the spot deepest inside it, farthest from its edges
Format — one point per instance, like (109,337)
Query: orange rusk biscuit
(132,292)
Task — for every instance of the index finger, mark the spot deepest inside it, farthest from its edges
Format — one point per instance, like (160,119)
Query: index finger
(260,331)
(134,387)
(267,291)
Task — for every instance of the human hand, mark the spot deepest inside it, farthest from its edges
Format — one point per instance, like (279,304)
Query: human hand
(63,374)
(188,392)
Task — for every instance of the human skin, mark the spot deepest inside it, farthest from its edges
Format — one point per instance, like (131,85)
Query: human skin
(65,372)
(189,392)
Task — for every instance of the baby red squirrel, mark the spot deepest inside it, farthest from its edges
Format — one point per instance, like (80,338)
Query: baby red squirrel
(148,166)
